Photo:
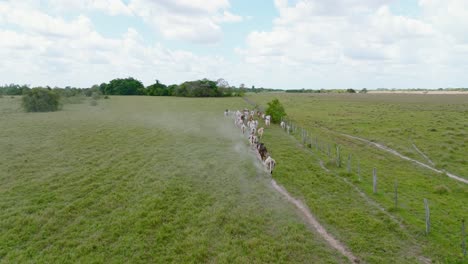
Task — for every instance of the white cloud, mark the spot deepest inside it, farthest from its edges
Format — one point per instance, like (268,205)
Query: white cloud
(359,42)
(188,20)
(33,21)
(42,49)
(448,16)
(111,7)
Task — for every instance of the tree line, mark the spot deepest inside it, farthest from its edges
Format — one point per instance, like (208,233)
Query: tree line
(197,88)
(132,86)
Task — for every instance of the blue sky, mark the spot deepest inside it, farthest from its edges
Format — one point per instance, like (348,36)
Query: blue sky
(267,43)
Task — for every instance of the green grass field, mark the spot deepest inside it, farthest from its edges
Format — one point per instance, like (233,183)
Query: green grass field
(154,179)
(436,124)
(340,206)
(141,179)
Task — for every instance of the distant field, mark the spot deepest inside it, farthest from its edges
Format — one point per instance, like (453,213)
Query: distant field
(141,179)
(436,124)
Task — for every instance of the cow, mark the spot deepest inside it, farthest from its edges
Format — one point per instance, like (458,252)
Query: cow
(270,164)
(260,132)
(262,150)
(239,122)
(267,120)
(252,139)
(243,127)
(283,124)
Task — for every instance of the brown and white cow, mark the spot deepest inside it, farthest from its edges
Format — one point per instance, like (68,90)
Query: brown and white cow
(260,132)
(270,164)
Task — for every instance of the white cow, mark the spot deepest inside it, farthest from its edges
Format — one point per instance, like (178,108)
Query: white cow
(260,132)
(253,139)
(243,127)
(267,120)
(270,164)
(283,124)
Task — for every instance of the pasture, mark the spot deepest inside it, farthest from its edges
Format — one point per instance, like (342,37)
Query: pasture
(141,180)
(370,223)
(158,179)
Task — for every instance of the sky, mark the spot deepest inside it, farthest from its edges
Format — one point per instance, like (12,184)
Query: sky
(282,44)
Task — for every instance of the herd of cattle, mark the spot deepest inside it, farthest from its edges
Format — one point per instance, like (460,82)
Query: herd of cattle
(247,121)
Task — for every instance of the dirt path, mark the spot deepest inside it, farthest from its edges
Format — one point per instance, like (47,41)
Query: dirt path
(422,154)
(309,217)
(333,242)
(396,153)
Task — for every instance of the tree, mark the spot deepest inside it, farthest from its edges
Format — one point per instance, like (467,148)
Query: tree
(157,89)
(40,100)
(199,88)
(127,86)
(350,90)
(364,90)
(275,110)
(221,83)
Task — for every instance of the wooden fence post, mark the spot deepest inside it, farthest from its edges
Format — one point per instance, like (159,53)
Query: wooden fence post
(349,163)
(396,194)
(374,177)
(463,244)
(428,216)
(359,170)
(338,157)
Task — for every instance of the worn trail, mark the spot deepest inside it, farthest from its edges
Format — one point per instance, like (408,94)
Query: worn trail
(333,242)
(396,153)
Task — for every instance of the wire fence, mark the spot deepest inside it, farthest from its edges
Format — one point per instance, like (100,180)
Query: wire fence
(395,197)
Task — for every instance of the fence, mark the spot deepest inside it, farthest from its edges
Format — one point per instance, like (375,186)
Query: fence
(434,220)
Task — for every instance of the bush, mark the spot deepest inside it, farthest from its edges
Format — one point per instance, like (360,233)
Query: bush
(93,102)
(96,95)
(40,100)
(441,189)
(106,97)
(276,111)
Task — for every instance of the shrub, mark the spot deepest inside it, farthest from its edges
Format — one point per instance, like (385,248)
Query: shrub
(441,189)
(40,100)
(93,102)
(276,111)
(106,97)
(96,95)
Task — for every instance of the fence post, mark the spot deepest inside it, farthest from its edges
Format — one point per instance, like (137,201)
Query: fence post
(374,177)
(302,135)
(396,194)
(359,170)
(338,157)
(349,163)
(463,238)
(428,217)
